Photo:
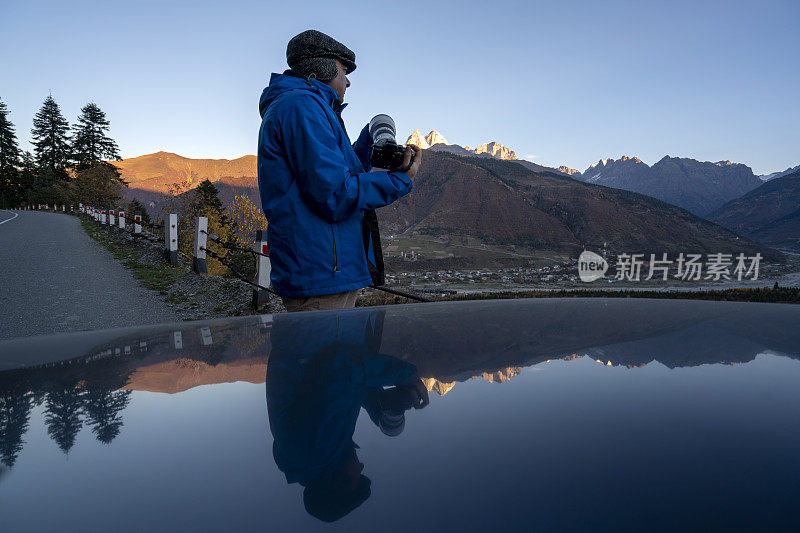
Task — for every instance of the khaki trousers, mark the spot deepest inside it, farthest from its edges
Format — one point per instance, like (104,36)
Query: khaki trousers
(342,300)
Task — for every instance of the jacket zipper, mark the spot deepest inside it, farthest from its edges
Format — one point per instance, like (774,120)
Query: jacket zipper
(335,259)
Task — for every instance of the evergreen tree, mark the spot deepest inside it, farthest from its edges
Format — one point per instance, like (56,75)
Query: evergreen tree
(103,409)
(135,206)
(99,184)
(96,181)
(90,141)
(51,142)
(9,160)
(206,196)
(62,416)
(26,177)
(15,411)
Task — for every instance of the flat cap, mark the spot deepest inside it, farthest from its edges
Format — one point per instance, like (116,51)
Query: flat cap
(313,52)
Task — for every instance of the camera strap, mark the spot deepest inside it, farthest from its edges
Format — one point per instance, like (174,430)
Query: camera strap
(370,233)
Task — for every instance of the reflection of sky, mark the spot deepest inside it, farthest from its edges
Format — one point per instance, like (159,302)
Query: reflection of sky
(571,82)
(571,440)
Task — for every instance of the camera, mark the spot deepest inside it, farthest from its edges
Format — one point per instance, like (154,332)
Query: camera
(385,152)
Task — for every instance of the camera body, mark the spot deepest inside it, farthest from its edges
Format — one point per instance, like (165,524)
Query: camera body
(385,152)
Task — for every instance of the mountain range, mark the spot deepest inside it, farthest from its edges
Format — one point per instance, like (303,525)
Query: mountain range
(436,141)
(768,214)
(700,187)
(501,202)
(790,170)
(506,201)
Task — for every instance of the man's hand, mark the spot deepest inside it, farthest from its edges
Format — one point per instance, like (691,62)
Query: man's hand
(419,394)
(412,149)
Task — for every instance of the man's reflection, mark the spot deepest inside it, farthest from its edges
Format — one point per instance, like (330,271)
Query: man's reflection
(322,370)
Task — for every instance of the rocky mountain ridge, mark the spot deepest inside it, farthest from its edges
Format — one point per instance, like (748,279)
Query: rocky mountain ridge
(701,187)
(768,214)
(774,175)
(436,140)
(504,203)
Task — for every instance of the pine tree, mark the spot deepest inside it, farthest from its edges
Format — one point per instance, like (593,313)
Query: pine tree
(99,184)
(51,142)
(90,142)
(9,160)
(95,181)
(206,195)
(103,409)
(62,416)
(15,412)
(135,206)
(26,177)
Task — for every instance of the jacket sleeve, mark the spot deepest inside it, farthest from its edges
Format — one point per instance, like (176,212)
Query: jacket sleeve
(319,166)
(362,146)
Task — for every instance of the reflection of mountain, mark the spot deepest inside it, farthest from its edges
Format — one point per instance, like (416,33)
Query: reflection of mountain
(447,342)
(183,373)
(498,376)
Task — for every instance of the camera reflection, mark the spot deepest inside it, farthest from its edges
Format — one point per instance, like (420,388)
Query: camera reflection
(315,393)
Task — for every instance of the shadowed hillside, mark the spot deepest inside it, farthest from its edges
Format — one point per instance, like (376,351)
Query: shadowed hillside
(768,214)
(503,202)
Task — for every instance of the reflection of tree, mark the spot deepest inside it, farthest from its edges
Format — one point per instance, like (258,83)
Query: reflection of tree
(62,416)
(103,408)
(15,412)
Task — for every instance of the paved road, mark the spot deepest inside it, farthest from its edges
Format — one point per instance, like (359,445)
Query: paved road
(55,278)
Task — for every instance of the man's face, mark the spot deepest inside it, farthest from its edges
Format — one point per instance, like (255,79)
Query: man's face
(340,83)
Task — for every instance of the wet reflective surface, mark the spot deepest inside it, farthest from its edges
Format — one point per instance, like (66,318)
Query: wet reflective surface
(566,414)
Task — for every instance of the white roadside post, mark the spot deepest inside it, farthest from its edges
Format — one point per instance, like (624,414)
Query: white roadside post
(205,336)
(171,239)
(122,220)
(200,242)
(177,337)
(137,222)
(103,216)
(263,269)
(63,208)
(111,219)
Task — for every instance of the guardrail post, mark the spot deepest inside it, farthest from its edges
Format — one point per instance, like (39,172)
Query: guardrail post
(263,269)
(205,336)
(200,243)
(171,239)
(177,337)
(137,222)
(122,220)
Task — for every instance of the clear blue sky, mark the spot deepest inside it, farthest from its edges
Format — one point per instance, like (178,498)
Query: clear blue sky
(558,82)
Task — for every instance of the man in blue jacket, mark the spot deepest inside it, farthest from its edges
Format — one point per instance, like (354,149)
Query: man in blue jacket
(315,186)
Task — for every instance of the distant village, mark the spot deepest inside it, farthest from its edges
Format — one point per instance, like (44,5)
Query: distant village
(431,281)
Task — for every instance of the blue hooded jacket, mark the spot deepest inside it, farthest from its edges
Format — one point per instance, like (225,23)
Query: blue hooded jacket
(315,188)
